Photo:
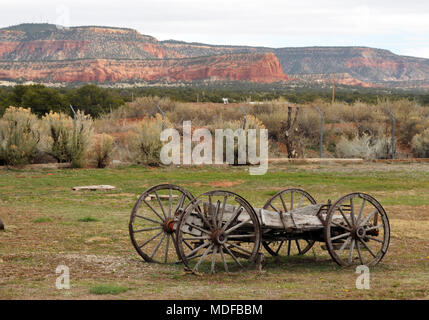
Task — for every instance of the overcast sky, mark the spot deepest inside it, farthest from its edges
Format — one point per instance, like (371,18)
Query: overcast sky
(399,26)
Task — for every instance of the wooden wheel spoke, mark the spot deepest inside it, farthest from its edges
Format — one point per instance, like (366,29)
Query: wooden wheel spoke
(160,204)
(180,203)
(150,206)
(368,248)
(361,211)
(187,244)
(232,255)
(147,229)
(275,209)
(291,201)
(202,258)
(166,248)
(344,216)
(341,226)
(152,238)
(157,246)
(202,215)
(283,203)
(212,267)
(170,203)
(280,246)
(374,239)
(300,202)
(197,249)
(237,226)
(374,227)
(195,238)
(233,217)
(344,244)
(289,242)
(240,236)
(359,252)
(340,236)
(369,217)
(240,248)
(223,259)
(215,216)
(352,211)
(351,251)
(198,228)
(148,219)
(222,211)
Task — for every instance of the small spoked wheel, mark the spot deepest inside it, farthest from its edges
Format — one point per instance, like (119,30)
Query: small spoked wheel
(153,221)
(284,201)
(357,230)
(219,230)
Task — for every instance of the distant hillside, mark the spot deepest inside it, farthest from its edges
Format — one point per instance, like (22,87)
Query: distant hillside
(40,51)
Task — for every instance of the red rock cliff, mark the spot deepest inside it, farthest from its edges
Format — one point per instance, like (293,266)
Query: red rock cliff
(247,67)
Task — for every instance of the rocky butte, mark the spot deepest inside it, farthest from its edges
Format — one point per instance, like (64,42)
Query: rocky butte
(45,53)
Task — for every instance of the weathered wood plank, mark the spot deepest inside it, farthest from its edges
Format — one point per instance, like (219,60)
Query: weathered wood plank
(302,218)
(93,188)
(161,197)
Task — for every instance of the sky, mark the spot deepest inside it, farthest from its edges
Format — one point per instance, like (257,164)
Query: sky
(399,26)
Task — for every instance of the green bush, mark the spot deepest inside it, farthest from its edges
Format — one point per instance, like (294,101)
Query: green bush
(147,142)
(365,147)
(19,136)
(102,149)
(68,139)
(420,144)
(59,128)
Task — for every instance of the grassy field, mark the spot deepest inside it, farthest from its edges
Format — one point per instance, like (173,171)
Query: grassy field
(48,224)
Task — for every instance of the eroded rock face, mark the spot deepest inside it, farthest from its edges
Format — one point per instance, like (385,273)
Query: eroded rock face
(43,52)
(250,67)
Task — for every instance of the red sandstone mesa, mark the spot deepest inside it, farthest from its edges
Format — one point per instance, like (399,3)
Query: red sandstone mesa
(249,67)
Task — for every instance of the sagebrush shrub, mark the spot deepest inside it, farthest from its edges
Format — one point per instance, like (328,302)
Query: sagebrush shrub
(81,138)
(19,136)
(59,128)
(420,144)
(68,139)
(365,147)
(147,142)
(102,149)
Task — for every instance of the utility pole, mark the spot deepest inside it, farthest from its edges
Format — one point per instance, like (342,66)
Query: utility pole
(333,90)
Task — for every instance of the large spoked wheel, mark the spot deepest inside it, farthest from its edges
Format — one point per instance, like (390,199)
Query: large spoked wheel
(284,201)
(153,219)
(218,230)
(357,230)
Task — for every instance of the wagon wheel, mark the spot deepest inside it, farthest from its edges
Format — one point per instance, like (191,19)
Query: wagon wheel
(153,220)
(357,230)
(218,230)
(284,201)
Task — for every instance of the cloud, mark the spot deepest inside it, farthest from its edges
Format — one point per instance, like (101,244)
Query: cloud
(416,52)
(266,23)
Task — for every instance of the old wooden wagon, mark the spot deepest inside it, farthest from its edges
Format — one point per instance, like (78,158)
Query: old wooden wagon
(220,230)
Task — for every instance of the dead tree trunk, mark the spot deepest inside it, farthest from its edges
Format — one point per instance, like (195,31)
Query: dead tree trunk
(289,131)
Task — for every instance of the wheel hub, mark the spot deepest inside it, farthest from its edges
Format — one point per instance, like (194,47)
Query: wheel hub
(360,232)
(168,225)
(219,237)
